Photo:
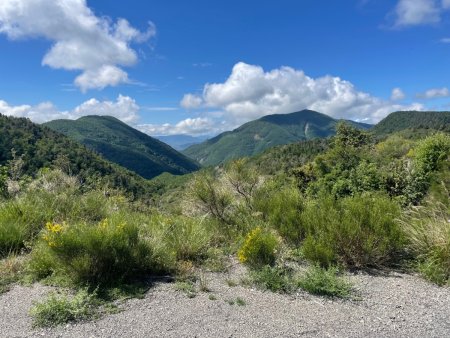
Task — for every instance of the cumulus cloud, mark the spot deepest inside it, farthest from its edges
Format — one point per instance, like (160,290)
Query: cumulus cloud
(434,93)
(96,46)
(190,101)
(397,94)
(250,92)
(189,126)
(419,12)
(124,108)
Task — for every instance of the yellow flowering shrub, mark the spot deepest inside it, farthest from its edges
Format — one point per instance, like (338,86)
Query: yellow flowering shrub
(259,248)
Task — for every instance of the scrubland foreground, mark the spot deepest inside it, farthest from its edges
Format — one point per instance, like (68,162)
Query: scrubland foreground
(326,240)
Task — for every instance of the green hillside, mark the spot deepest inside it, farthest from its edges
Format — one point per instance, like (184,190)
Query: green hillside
(128,147)
(40,147)
(256,136)
(416,120)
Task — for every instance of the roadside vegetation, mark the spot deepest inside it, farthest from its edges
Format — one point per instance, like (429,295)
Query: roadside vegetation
(357,204)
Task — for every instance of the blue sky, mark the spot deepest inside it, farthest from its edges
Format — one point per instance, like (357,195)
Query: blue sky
(202,67)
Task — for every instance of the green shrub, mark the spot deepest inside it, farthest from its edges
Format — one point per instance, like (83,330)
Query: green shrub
(275,279)
(59,309)
(358,231)
(108,252)
(259,248)
(427,230)
(325,282)
(281,206)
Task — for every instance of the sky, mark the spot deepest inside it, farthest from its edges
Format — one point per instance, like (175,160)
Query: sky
(201,67)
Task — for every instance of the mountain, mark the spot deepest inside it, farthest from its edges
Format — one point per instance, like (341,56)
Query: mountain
(271,130)
(124,145)
(40,147)
(181,142)
(417,120)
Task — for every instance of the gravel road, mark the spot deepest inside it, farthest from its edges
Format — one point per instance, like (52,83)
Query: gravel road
(396,305)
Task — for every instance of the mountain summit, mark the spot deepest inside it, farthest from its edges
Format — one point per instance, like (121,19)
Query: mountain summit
(256,136)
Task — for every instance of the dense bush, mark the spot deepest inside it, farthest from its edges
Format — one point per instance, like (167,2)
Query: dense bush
(55,197)
(259,248)
(281,205)
(109,252)
(357,231)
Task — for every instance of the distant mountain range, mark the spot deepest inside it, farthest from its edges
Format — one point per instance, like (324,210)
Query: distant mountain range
(181,142)
(271,130)
(124,145)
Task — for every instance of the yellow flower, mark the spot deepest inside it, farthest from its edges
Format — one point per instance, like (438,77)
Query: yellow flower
(103,224)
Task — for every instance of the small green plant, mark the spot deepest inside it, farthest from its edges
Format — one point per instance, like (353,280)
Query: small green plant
(230,301)
(240,301)
(212,297)
(259,248)
(203,283)
(186,287)
(59,309)
(275,279)
(325,282)
(231,283)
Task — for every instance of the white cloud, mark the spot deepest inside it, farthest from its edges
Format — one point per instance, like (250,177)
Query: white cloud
(81,40)
(397,94)
(419,12)
(434,93)
(416,12)
(189,126)
(190,101)
(250,92)
(124,108)
(445,40)
(101,78)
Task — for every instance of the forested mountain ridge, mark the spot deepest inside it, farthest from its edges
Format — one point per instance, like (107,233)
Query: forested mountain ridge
(41,147)
(415,120)
(124,145)
(271,130)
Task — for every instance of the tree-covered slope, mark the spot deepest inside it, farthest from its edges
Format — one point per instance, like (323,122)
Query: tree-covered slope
(40,147)
(417,120)
(256,136)
(124,145)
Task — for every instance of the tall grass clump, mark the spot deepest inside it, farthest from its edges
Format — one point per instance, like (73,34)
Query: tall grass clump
(108,252)
(427,230)
(179,238)
(357,232)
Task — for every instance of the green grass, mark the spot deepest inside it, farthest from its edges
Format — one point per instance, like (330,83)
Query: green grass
(325,282)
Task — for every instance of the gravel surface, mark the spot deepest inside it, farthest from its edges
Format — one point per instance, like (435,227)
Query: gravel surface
(395,305)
